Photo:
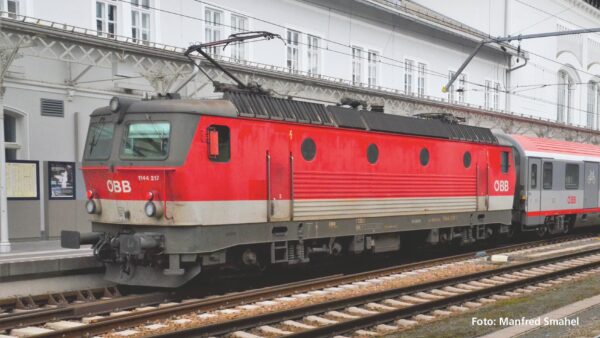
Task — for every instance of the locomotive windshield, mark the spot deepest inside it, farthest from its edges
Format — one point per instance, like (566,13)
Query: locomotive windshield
(99,141)
(146,141)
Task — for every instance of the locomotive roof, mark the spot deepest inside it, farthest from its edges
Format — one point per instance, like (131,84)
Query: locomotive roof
(242,104)
(543,147)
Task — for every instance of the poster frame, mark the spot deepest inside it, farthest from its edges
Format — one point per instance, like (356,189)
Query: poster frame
(54,163)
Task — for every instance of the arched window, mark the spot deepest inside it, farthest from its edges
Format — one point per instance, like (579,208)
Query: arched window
(593,102)
(12,137)
(565,97)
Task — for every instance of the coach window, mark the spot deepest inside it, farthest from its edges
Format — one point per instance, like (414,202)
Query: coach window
(504,161)
(372,153)
(424,156)
(572,176)
(309,149)
(533,176)
(467,159)
(219,147)
(547,175)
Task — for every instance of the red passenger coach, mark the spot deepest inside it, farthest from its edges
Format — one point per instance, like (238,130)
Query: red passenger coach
(177,187)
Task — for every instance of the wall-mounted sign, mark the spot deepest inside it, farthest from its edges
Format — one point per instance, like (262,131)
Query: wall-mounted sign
(22,180)
(61,180)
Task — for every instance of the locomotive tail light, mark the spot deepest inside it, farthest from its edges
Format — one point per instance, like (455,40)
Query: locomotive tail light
(90,194)
(115,104)
(150,195)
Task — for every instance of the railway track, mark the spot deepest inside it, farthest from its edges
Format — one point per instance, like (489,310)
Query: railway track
(385,312)
(140,309)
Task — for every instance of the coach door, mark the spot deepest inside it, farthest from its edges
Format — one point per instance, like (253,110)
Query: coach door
(590,185)
(534,185)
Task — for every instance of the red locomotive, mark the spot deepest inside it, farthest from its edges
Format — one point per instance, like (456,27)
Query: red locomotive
(177,186)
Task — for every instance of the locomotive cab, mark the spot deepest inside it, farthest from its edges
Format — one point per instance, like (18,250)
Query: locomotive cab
(130,166)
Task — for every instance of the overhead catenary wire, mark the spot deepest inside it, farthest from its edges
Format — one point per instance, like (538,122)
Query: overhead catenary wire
(400,64)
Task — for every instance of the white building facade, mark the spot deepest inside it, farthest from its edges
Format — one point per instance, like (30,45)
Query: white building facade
(387,49)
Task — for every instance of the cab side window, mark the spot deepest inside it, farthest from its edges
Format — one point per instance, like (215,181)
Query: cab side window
(219,144)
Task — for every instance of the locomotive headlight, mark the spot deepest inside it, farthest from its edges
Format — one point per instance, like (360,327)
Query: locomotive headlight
(115,104)
(150,209)
(90,207)
(93,207)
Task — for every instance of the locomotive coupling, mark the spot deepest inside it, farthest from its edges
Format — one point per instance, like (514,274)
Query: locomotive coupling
(138,243)
(74,239)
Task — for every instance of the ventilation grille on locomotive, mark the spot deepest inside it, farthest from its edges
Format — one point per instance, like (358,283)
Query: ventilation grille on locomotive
(266,107)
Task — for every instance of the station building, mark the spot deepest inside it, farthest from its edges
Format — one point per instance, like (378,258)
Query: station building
(59,60)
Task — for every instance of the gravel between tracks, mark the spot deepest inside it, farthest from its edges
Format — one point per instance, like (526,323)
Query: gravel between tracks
(343,291)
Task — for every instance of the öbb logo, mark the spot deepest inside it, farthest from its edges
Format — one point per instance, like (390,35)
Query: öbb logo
(501,185)
(118,186)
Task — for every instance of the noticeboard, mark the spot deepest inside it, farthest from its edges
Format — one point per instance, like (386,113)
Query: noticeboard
(61,180)
(22,180)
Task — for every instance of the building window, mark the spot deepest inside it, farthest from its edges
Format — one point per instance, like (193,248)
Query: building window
(422,68)
(308,149)
(547,175)
(293,50)
(357,60)
(313,54)
(10,137)
(106,19)
(212,30)
(239,24)
(13,8)
(143,3)
(140,21)
(408,76)
(593,102)
(372,153)
(462,87)
(373,59)
(486,95)
(564,97)
(572,176)
(496,95)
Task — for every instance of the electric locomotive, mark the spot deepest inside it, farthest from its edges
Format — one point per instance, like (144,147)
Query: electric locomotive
(179,187)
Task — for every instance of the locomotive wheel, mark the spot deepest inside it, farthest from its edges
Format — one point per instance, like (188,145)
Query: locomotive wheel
(511,232)
(542,231)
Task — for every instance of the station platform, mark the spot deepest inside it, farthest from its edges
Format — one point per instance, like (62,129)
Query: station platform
(44,261)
